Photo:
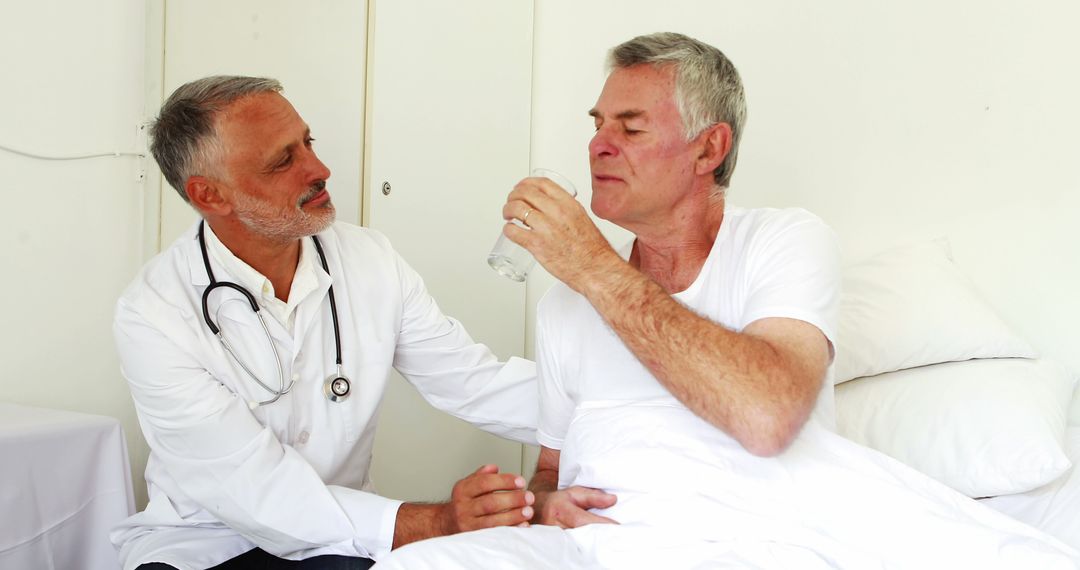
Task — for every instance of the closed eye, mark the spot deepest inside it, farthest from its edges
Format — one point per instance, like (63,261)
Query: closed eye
(287,159)
(284,162)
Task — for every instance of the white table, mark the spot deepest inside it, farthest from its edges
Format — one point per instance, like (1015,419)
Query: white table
(64,482)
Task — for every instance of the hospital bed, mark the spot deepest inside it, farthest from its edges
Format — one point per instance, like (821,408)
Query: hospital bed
(949,397)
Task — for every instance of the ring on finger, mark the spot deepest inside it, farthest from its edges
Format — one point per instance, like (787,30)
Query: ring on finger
(526,216)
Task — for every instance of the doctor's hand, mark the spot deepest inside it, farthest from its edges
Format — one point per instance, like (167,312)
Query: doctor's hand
(561,235)
(486,498)
(568,508)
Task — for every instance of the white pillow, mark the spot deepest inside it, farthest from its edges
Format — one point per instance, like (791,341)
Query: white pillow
(911,306)
(1074,412)
(1051,508)
(983,427)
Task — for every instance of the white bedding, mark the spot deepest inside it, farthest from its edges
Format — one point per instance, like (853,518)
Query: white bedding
(1053,508)
(691,497)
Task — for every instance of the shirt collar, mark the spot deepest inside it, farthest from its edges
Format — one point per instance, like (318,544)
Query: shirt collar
(305,282)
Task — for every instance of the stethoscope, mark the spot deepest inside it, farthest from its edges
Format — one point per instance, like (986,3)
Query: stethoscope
(336,386)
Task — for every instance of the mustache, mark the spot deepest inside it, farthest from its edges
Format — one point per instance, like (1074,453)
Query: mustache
(316,187)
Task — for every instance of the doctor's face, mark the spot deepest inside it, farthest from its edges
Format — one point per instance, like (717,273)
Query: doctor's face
(270,174)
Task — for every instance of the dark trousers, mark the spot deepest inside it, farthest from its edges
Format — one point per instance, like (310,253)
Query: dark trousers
(259,560)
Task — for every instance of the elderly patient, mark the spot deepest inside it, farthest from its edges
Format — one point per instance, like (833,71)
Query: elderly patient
(685,406)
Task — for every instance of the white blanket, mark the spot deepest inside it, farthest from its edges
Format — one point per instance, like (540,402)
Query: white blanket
(689,496)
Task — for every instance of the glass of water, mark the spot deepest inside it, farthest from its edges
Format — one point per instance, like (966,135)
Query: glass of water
(510,259)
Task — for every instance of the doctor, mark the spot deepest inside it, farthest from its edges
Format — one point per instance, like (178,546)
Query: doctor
(258,347)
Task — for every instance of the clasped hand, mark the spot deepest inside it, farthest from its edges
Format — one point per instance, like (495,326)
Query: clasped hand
(487,498)
(569,507)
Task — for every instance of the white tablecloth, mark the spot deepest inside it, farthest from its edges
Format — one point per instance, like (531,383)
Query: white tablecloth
(64,482)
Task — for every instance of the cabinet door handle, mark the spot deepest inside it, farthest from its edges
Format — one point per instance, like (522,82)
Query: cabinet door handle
(386,188)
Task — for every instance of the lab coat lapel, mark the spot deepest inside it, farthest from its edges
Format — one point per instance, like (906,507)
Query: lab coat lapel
(196,267)
(313,309)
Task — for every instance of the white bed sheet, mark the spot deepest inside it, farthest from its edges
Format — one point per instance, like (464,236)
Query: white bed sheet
(690,497)
(1053,508)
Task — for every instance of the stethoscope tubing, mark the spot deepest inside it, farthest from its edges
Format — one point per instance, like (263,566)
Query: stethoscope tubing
(215,284)
(333,304)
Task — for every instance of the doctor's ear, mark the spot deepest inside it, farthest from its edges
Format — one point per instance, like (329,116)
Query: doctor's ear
(715,144)
(205,196)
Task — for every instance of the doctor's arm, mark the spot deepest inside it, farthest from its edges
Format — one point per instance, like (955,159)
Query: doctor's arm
(459,376)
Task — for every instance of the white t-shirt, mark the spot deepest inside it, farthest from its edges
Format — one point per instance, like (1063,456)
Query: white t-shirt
(764,263)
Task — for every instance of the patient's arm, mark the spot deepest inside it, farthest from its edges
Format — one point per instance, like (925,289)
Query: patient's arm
(758,385)
(566,508)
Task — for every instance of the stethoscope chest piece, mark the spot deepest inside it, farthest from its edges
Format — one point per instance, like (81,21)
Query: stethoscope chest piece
(337,388)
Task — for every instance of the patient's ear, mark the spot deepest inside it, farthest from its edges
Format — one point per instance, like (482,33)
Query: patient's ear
(205,196)
(714,144)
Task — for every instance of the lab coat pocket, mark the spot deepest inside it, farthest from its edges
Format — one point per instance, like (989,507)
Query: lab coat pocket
(349,413)
(368,368)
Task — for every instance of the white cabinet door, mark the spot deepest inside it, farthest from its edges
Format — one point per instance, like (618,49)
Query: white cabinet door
(449,89)
(316,50)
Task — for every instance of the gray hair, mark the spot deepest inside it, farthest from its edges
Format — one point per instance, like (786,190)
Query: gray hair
(707,86)
(184,136)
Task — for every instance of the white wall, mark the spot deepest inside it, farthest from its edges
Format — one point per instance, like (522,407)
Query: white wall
(71,231)
(472,140)
(887,119)
(316,50)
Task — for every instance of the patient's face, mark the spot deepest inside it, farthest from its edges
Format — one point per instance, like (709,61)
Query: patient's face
(642,165)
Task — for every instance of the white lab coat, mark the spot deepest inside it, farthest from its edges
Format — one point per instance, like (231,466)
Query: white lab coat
(290,477)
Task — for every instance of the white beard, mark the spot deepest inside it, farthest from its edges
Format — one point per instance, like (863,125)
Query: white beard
(288,224)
